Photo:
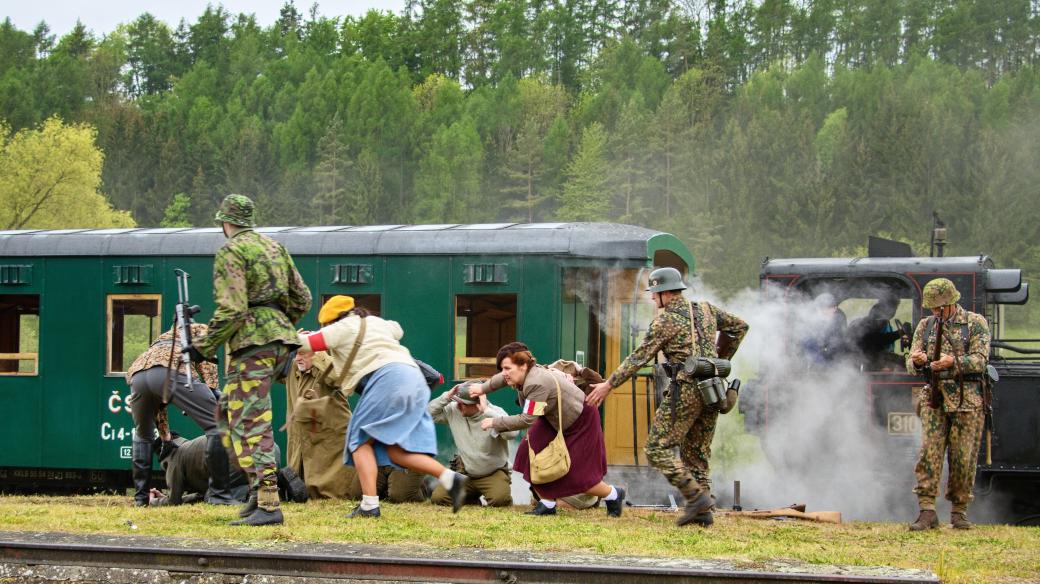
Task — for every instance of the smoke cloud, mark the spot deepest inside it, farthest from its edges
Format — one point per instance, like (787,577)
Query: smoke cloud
(821,445)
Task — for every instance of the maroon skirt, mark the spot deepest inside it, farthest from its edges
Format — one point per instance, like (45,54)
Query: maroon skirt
(584,443)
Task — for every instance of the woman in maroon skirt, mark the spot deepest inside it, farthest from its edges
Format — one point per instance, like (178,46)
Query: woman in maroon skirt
(536,386)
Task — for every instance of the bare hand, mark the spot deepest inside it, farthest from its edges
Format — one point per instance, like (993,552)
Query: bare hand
(482,403)
(598,394)
(486,423)
(945,362)
(476,390)
(919,358)
(453,391)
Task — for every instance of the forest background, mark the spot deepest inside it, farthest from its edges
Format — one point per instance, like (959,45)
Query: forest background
(748,128)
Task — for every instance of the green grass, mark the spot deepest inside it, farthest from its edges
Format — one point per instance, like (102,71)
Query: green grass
(985,554)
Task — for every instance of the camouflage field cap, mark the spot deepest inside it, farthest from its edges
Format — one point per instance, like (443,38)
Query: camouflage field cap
(665,279)
(237,210)
(939,292)
(463,397)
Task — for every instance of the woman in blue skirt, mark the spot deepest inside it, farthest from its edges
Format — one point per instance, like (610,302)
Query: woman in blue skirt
(390,425)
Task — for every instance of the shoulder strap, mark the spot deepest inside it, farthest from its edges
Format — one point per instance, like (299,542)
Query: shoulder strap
(929,329)
(357,345)
(964,336)
(559,404)
(694,327)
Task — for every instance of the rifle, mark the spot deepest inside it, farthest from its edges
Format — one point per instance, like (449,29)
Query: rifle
(183,311)
(935,396)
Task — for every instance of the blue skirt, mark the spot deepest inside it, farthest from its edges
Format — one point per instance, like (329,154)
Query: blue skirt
(392,410)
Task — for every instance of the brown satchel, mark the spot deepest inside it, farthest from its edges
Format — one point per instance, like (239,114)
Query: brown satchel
(554,461)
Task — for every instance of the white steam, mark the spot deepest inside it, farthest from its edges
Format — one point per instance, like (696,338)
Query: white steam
(822,446)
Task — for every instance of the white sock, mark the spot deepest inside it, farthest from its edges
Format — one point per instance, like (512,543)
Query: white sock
(447,478)
(369,503)
(612,495)
(549,503)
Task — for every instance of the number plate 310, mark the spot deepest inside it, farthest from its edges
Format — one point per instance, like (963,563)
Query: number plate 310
(903,423)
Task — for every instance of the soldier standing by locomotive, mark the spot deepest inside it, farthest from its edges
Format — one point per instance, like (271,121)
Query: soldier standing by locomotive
(686,422)
(952,414)
(259,298)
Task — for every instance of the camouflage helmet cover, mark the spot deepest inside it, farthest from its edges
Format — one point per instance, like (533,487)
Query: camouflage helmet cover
(665,279)
(463,396)
(237,210)
(939,292)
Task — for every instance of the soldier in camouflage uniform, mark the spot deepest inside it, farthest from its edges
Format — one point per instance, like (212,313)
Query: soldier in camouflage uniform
(259,298)
(957,423)
(692,425)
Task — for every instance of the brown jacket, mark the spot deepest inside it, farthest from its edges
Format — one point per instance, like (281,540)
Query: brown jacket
(540,388)
(318,416)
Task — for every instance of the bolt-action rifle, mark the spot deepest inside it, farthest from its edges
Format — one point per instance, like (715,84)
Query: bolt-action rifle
(935,396)
(182,321)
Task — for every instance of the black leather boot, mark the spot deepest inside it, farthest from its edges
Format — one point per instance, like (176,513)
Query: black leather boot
(268,510)
(697,511)
(141,471)
(219,491)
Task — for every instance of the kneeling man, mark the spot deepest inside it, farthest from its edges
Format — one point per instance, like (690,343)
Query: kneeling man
(482,456)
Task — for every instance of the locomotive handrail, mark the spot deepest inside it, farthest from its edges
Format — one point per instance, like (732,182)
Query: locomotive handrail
(1017,349)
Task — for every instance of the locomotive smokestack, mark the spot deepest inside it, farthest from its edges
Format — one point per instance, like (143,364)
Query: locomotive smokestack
(938,236)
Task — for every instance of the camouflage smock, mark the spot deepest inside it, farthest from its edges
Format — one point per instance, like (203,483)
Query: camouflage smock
(252,270)
(158,355)
(970,359)
(670,332)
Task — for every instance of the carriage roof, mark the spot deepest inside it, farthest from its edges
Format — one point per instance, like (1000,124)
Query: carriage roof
(584,240)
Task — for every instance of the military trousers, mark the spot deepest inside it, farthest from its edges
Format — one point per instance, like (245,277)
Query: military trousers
(246,415)
(955,436)
(690,429)
(396,485)
(146,397)
(495,488)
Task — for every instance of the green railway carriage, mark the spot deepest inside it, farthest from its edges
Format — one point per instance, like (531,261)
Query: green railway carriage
(76,307)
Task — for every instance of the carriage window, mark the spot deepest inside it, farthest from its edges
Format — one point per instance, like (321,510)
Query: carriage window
(483,323)
(133,323)
(19,334)
(370,302)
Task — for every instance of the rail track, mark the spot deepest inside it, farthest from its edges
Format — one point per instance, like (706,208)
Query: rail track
(357,562)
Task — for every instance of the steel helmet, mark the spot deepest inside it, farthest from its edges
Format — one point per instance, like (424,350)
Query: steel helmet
(236,210)
(939,292)
(665,279)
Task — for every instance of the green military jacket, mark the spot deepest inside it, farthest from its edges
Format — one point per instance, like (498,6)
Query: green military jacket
(970,358)
(670,332)
(252,274)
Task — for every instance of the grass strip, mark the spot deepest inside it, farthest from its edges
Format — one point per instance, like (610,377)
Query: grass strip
(989,553)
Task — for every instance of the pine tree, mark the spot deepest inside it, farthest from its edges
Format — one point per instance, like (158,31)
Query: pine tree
(585,196)
(330,175)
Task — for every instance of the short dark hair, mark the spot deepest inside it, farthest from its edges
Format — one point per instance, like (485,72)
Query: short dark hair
(358,310)
(517,352)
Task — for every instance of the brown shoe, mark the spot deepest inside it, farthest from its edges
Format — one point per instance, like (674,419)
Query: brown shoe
(960,521)
(926,520)
(698,511)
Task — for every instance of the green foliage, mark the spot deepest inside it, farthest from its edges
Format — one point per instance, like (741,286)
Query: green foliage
(747,128)
(49,178)
(585,196)
(176,213)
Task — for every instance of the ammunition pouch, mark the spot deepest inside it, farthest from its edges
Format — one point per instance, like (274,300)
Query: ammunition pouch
(713,391)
